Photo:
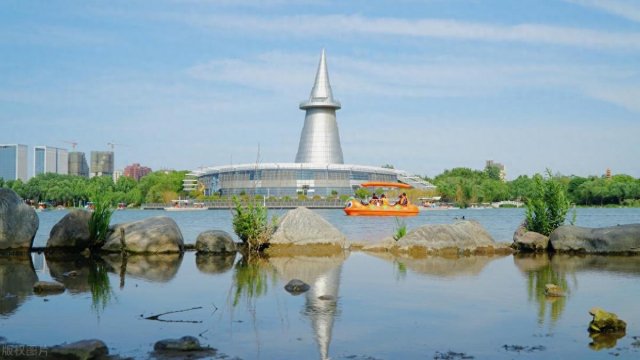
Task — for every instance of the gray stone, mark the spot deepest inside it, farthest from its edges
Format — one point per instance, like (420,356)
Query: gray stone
(613,239)
(185,343)
(531,241)
(296,287)
(72,231)
(18,222)
(522,228)
(553,290)
(461,235)
(159,234)
(215,241)
(47,288)
(302,226)
(80,350)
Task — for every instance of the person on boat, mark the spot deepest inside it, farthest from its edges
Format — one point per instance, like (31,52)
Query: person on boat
(384,200)
(374,199)
(402,200)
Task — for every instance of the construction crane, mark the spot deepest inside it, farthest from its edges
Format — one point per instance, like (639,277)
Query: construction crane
(113,145)
(73,144)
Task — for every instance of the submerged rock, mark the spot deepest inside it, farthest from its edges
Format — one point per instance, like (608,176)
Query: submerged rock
(185,343)
(302,226)
(18,222)
(187,347)
(215,241)
(605,322)
(553,290)
(296,287)
(47,288)
(71,232)
(613,239)
(80,350)
(159,234)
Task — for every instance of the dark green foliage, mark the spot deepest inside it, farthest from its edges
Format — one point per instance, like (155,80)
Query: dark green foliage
(466,186)
(99,221)
(250,223)
(362,193)
(547,206)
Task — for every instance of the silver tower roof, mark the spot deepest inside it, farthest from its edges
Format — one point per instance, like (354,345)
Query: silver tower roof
(320,139)
(321,94)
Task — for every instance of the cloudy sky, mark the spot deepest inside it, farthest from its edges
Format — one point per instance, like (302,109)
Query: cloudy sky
(425,85)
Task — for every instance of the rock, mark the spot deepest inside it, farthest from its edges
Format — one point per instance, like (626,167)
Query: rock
(461,236)
(531,241)
(18,222)
(187,347)
(71,232)
(302,226)
(47,288)
(80,350)
(185,343)
(553,290)
(159,234)
(613,239)
(215,241)
(296,287)
(605,322)
(522,228)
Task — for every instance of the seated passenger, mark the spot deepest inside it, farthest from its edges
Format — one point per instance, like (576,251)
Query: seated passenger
(404,201)
(374,199)
(384,200)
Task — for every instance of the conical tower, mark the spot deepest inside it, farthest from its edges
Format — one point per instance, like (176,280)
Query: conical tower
(320,139)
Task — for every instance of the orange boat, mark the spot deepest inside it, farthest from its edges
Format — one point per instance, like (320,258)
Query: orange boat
(356,208)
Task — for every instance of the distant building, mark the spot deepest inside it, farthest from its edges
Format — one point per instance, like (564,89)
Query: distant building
(608,174)
(49,159)
(503,171)
(136,171)
(117,174)
(102,163)
(13,162)
(78,164)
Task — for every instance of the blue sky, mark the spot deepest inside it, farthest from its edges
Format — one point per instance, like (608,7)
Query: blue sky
(425,85)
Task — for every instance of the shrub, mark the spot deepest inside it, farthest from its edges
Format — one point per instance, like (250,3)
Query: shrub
(401,229)
(251,225)
(547,207)
(99,221)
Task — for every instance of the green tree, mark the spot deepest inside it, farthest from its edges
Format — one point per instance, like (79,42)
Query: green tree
(362,193)
(547,207)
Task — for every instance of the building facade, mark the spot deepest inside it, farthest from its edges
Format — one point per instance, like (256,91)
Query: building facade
(102,163)
(136,171)
(49,159)
(13,162)
(318,169)
(78,164)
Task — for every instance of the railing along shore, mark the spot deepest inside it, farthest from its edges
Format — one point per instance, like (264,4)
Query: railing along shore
(271,204)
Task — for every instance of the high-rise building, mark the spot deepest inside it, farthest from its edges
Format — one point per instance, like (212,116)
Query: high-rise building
(320,140)
(78,164)
(136,171)
(13,162)
(49,159)
(102,163)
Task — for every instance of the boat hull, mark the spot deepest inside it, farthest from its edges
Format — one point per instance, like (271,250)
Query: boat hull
(355,208)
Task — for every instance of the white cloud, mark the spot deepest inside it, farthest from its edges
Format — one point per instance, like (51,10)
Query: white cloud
(623,8)
(350,25)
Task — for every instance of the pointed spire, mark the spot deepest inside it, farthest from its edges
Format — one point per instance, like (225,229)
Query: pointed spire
(321,94)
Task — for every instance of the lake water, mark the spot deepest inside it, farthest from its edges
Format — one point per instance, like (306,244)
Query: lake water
(360,306)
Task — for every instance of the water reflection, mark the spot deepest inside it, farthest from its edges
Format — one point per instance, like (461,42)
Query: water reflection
(439,266)
(152,267)
(600,341)
(539,272)
(215,263)
(250,280)
(321,301)
(17,277)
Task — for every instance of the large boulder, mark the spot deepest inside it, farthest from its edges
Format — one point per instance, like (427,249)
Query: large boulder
(302,226)
(613,239)
(604,321)
(531,241)
(71,232)
(461,236)
(18,222)
(215,241)
(159,234)
(80,350)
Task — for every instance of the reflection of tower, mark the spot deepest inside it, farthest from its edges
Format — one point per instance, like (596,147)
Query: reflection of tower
(320,140)
(322,306)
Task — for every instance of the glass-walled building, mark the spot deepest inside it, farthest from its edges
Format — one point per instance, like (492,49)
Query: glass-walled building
(78,164)
(290,179)
(48,159)
(13,162)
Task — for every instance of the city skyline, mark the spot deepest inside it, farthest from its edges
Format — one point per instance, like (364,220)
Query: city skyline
(425,86)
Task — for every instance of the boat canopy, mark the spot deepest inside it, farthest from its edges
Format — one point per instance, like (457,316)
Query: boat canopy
(386,184)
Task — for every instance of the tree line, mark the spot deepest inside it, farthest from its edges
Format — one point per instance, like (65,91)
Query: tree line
(460,186)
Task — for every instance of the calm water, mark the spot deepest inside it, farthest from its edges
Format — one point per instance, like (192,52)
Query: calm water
(361,306)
